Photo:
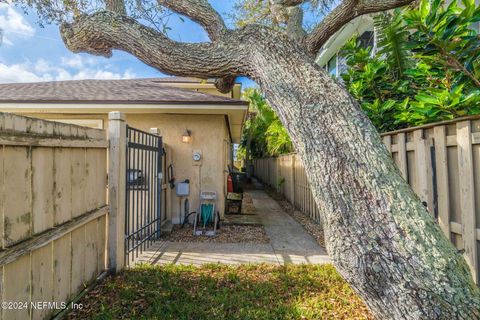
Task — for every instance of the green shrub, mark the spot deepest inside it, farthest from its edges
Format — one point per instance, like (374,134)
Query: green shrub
(426,68)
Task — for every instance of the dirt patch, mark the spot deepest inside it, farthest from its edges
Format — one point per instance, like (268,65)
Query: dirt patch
(226,234)
(312,227)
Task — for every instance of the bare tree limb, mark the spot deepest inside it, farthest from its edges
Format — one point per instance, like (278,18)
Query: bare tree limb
(295,23)
(202,12)
(289,3)
(344,13)
(289,13)
(104,31)
(117,6)
(199,11)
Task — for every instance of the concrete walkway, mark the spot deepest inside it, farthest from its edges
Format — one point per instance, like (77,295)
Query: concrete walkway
(289,243)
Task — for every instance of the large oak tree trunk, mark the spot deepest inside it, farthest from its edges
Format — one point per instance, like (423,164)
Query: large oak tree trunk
(380,236)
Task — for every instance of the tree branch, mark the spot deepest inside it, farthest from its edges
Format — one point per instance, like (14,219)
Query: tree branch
(288,12)
(295,23)
(344,13)
(104,31)
(289,3)
(201,12)
(117,6)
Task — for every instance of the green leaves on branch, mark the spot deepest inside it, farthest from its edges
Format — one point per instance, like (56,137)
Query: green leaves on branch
(426,67)
(263,132)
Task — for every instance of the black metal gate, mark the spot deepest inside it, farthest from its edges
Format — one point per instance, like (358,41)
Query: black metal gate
(143,191)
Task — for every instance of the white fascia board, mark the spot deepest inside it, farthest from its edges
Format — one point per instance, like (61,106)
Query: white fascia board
(335,43)
(127,108)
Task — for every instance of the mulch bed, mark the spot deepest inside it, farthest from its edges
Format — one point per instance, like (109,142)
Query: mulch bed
(226,234)
(312,227)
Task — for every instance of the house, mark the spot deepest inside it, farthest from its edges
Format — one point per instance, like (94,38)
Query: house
(174,106)
(330,56)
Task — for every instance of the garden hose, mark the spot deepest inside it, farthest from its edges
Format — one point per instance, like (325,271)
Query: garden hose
(207,213)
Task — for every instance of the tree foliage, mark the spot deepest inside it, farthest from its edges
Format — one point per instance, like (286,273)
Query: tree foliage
(263,132)
(266,12)
(426,68)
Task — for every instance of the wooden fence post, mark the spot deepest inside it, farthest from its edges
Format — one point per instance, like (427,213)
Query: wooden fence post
(117,136)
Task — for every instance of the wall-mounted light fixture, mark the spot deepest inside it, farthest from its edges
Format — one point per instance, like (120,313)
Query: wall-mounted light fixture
(187,136)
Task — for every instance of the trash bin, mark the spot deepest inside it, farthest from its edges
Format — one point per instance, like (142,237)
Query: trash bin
(238,179)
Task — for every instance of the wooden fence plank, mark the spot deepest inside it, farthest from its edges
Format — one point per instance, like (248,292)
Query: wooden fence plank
(42,279)
(63,187)
(78,181)
(16,287)
(62,266)
(402,155)
(17,215)
(387,141)
(467,198)
(441,165)
(78,259)
(42,189)
(424,168)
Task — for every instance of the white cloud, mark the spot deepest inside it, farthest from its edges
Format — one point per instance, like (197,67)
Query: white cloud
(42,66)
(78,61)
(19,73)
(42,70)
(93,74)
(13,24)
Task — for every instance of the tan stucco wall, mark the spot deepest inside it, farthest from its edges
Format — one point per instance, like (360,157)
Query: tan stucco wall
(209,135)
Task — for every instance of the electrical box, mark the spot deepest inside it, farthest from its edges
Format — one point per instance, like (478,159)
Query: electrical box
(183,189)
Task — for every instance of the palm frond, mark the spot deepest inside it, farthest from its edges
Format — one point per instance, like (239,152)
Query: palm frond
(391,40)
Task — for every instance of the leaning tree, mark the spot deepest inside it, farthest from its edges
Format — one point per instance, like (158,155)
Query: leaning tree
(380,236)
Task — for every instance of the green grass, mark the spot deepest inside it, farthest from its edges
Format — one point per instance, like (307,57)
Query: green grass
(224,292)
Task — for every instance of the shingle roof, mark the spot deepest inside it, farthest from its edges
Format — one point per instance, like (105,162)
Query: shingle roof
(152,91)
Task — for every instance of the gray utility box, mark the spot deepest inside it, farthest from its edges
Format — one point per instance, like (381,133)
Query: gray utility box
(183,189)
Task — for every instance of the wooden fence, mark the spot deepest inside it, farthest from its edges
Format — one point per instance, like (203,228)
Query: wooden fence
(54,213)
(441,162)
(287,175)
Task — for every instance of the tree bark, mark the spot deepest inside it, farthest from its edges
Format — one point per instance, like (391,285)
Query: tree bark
(380,236)
(381,239)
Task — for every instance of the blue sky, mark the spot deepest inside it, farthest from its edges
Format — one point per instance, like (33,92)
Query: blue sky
(30,53)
